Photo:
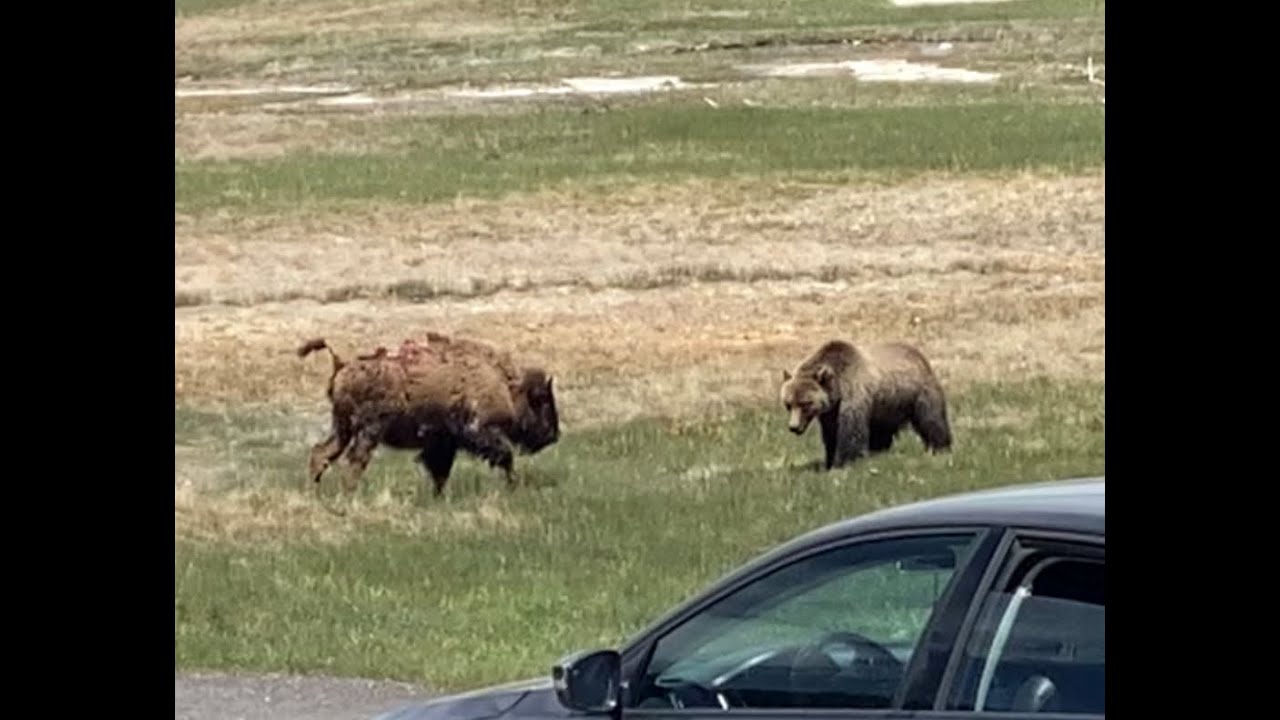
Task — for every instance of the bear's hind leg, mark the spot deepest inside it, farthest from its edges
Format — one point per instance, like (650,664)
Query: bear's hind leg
(930,422)
(881,438)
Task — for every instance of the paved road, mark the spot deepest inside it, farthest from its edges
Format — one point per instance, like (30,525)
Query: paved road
(219,696)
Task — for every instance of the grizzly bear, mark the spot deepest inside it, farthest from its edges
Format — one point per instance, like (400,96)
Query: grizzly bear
(863,397)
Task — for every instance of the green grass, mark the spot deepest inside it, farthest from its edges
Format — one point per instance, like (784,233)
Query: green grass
(681,14)
(620,524)
(200,7)
(487,156)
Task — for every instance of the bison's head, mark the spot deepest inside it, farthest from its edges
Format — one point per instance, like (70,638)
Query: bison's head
(537,420)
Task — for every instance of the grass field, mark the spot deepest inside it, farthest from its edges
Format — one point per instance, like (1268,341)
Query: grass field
(666,254)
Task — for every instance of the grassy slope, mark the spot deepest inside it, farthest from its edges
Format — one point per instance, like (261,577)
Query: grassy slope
(622,523)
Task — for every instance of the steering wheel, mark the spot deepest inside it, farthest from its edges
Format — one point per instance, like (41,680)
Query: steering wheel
(813,670)
(684,693)
(690,694)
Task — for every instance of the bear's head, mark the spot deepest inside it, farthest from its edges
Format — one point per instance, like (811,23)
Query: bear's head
(806,396)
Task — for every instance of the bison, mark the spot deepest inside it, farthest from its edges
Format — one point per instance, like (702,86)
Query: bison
(440,397)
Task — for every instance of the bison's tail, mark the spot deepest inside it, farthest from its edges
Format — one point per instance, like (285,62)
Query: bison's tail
(311,346)
(315,344)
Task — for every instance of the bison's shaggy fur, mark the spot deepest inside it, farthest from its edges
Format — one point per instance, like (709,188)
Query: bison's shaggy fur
(438,398)
(863,397)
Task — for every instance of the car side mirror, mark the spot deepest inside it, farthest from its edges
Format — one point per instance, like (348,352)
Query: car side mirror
(589,682)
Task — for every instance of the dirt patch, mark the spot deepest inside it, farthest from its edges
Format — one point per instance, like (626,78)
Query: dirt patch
(892,70)
(181,93)
(574,86)
(869,70)
(586,86)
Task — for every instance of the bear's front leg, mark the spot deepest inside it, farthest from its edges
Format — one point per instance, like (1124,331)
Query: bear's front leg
(830,424)
(852,434)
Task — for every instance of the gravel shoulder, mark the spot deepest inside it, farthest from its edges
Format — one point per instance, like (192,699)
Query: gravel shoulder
(222,696)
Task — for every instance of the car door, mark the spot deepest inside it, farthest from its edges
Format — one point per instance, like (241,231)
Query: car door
(1036,643)
(857,627)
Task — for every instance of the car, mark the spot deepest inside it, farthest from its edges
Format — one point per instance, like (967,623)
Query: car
(986,603)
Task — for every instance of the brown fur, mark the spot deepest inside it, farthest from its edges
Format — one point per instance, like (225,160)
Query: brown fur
(378,354)
(863,397)
(437,398)
(453,347)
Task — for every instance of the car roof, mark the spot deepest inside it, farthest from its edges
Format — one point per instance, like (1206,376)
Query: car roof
(1073,504)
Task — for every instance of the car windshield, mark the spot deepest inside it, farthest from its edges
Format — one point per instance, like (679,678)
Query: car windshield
(883,592)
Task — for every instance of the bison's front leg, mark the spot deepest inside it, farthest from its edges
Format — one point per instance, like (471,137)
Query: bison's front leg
(438,459)
(492,445)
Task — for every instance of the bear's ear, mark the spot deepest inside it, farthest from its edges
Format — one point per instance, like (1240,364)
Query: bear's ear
(785,375)
(824,375)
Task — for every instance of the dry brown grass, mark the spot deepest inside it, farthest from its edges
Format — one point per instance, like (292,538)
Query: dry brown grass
(648,236)
(273,515)
(253,134)
(255,32)
(996,278)
(195,467)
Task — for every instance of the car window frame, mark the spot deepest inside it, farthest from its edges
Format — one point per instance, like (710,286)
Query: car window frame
(1074,545)
(937,638)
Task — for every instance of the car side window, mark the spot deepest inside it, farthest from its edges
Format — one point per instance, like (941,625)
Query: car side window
(833,630)
(1039,643)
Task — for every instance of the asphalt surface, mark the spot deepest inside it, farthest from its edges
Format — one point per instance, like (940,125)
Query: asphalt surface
(220,696)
